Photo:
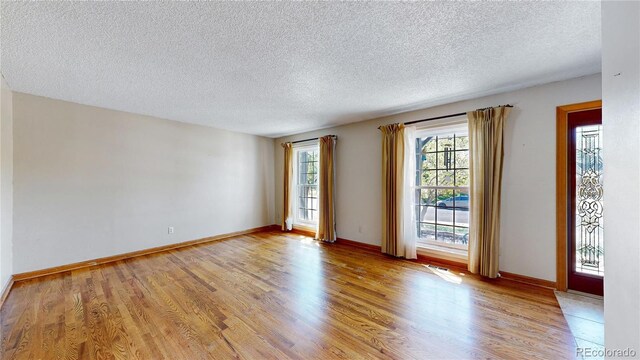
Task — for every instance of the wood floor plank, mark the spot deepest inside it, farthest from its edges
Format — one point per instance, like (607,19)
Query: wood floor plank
(272,295)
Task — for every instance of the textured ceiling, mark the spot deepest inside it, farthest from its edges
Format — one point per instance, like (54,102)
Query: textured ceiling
(273,68)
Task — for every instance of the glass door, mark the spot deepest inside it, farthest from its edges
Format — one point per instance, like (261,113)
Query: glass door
(586,230)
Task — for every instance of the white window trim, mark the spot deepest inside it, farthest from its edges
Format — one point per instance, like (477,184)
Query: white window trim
(305,224)
(440,252)
(437,128)
(442,246)
(461,124)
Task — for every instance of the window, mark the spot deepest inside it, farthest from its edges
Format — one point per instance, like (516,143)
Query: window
(306,198)
(442,187)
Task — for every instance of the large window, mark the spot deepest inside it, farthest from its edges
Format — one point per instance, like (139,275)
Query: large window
(442,187)
(306,198)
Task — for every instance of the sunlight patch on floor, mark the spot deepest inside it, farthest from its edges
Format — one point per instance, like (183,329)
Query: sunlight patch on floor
(445,274)
(309,241)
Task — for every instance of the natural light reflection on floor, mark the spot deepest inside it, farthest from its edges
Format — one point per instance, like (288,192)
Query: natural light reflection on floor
(309,241)
(308,281)
(445,274)
(443,299)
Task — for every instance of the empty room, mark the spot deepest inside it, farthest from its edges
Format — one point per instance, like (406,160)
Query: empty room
(320,180)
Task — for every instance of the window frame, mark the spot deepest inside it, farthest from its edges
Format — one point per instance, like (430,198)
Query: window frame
(296,152)
(441,129)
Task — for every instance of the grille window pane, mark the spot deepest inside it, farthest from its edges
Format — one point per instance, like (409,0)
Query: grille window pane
(428,197)
(429,178)
(462,159)
(462,177)
(445,142)
(429,144)
(307,186)
(429,161)
(442,191)
(445,178)
(462,143)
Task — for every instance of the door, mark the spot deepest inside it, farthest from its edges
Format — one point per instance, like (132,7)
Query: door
(585,223)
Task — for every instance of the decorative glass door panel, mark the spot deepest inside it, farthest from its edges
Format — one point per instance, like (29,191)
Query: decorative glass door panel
(586,230)
(589,229)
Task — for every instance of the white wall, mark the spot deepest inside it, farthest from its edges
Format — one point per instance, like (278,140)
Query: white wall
(6,184)
(621,124)
(92,182)
(528,242)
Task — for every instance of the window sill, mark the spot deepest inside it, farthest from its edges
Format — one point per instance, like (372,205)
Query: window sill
(309,230)
(442,252)
(303,226)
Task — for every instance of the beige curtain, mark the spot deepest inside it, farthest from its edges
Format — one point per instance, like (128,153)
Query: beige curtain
(287,212)
(392,174)
(485,175)
(326,196)
(398,225)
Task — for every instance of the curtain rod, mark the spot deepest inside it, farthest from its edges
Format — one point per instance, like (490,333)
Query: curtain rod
(442,117)
(299,141)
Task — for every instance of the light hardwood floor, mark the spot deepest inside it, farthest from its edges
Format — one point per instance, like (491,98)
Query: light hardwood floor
(270,295)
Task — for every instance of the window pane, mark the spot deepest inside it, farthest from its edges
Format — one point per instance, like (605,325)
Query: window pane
(301,177)
(445,159)
(427,231)
(440,160)
(445,198)
(429,162)
(461,199)
(421,211)
(304,214)
(307,180)
(462,159)
(445,234)
(312,178)
(429,144)
(445,141)
(462,217)
(429,178)
(462,235)
(588,239)
(427,214)
(462,177)
(444,216)
(428,197)
(462,142)
(445,178)
(307,203)
(442,204)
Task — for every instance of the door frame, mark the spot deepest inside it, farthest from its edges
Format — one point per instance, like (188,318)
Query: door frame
(562,193)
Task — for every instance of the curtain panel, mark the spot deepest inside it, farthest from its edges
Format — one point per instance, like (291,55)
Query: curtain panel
(398,214)
(287,201)
(326,182)
(486,128)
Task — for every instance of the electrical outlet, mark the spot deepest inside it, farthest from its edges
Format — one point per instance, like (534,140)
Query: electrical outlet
(170,230)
